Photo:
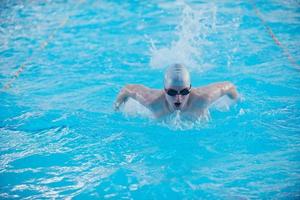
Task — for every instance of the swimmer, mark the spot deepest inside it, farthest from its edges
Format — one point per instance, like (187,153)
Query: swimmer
(177,95)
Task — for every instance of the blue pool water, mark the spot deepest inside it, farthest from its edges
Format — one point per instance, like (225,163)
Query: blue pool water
(62,64)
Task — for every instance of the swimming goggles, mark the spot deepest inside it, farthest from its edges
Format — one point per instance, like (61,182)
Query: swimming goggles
(172,92)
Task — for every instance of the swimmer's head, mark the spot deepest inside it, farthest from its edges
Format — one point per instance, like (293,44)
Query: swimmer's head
(177,75)
(177,86)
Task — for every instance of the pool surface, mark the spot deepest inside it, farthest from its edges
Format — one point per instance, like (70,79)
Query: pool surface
(62,63)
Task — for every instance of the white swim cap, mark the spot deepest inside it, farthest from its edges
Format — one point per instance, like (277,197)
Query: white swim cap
(177,75)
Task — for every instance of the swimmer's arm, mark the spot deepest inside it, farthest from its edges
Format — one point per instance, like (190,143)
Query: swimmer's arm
(214,91)
(139,93)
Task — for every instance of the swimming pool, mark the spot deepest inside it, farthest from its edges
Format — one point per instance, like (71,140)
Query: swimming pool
(63,63)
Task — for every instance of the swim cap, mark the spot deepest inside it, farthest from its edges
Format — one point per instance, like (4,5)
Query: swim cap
(177,75)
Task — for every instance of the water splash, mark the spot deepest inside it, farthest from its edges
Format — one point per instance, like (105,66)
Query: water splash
(191,32)
(179,121)
(223,104)
(174,121)
(134,108)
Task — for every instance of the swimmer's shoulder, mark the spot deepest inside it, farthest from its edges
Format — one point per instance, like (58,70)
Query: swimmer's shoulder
(151,91)
(142,88)
(150,94)
(198,97)
(199,93)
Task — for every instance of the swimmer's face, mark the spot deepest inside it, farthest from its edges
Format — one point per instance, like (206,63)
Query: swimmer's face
(177,86)
(177,96)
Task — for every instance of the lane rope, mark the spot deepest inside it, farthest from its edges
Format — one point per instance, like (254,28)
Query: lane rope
(42,46)
(275,39)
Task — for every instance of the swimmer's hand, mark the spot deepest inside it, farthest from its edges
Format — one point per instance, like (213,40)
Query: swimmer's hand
(232,92)
(121,99)
(117,106)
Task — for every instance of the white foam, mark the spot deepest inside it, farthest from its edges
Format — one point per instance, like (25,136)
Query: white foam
(222,104)
(178,121)
(174,121)
(134,108)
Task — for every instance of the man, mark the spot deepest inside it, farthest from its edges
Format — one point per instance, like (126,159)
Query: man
(178,94)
